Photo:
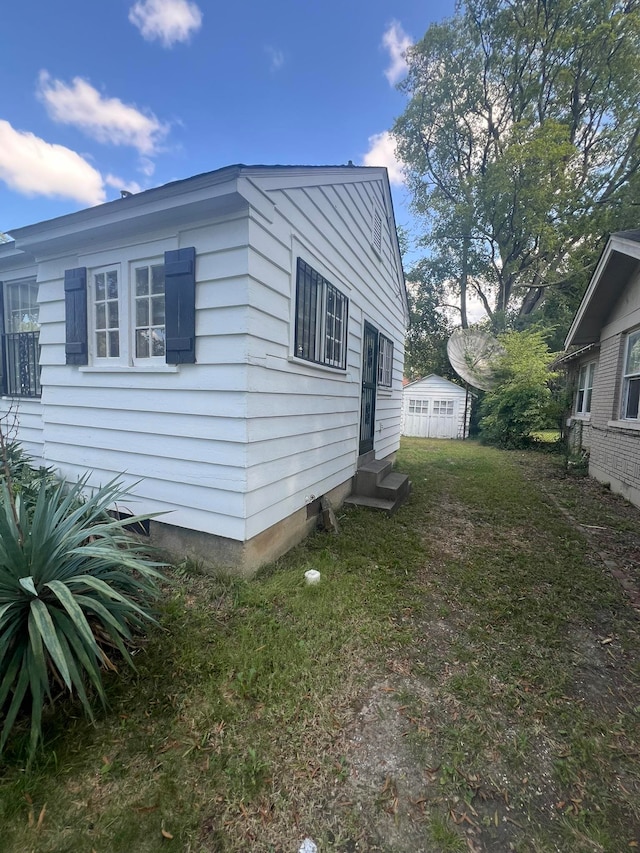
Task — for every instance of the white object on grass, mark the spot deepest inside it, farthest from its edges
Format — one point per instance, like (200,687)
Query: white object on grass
(312,576)
(308,846)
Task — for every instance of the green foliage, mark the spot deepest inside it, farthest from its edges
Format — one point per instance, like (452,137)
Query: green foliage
(521,401)
(74,586)
(520,139)
(24,478)
(429,329)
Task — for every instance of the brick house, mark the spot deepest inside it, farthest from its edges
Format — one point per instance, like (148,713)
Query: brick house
(604,372)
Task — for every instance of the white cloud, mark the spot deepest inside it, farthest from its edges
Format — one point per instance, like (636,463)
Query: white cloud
(105,119)
(118,184)
(276,57)
(146,167)
(31,166)
(382,152)
(169,21)
(397,42)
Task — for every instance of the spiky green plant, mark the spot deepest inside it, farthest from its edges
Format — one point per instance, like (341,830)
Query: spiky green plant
(74,586)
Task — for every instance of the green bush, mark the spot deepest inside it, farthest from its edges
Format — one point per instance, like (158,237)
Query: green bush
(521,401)
(74,587)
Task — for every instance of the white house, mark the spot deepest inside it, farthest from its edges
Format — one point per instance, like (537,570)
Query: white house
(231,343)
(434,407)
(604,371)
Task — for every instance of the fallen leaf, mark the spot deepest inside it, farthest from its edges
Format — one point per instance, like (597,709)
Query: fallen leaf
(166,834)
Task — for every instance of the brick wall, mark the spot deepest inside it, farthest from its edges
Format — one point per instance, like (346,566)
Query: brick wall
(614,450)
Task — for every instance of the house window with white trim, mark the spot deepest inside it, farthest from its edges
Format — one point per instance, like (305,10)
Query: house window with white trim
(631,378)
(321,319)
(106,313)
(128,317)
(149,311)
(385,361)
(21,339)
(585,388)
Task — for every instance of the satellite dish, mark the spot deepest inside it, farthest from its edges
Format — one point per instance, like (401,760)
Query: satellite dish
(472,354)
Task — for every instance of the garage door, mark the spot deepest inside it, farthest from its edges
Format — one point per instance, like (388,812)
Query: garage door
(431,418)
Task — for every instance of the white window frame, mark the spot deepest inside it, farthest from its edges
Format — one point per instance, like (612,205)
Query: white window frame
(127,326)
(438,405)
(631,380)
(94,329)
(385,361)
(418,406)
(150,359)
(584,391)
(22,337)
(324,322)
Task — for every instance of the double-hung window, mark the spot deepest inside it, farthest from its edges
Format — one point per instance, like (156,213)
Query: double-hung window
(585,388)
(321,319)
(631,378)
(21,339)
(385,361)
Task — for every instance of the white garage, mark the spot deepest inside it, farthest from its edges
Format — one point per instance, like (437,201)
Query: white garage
(433,407)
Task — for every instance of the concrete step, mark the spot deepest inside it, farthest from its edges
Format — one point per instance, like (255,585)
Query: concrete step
(394,486)
(379,504)
(369,476)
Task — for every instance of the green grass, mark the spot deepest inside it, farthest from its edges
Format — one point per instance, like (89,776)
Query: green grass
(475,603)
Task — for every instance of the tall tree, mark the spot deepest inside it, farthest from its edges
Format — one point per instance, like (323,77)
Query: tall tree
(429,327)
(521,137)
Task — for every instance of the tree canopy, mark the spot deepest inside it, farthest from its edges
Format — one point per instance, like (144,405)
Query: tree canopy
(521,143)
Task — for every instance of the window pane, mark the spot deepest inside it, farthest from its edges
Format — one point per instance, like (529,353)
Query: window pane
(99,286)
(157,341)
(101,344)
(112,284)
(142,312)
(101,316)
(157,310)
(142,343)
(112,314)
(633,354)
(114,344)
(633,399)
(157,279)
(142,281)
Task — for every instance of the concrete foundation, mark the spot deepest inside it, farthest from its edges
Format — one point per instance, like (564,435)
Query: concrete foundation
(235,557)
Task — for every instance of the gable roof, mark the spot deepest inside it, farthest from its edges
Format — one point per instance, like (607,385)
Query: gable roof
(440,380)
(214,193)
(618,262)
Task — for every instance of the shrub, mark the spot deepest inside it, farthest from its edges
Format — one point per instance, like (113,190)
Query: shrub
(74,587)
(521,400)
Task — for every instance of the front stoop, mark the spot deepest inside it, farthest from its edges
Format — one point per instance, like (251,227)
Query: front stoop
(376,486)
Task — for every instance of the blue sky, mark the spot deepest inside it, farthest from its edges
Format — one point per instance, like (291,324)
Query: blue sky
(103,95)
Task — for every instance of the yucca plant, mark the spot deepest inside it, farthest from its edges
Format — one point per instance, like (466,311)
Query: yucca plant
(74,587)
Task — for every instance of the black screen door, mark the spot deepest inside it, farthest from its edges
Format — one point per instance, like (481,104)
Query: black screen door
(369,386)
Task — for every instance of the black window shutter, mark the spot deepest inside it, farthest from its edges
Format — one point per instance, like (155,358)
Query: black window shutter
(75,305)
(180,305)
(3,368)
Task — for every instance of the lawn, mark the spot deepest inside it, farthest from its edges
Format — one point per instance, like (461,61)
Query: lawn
(464,677)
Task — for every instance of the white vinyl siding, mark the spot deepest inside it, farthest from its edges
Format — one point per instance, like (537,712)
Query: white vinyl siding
(250,433)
